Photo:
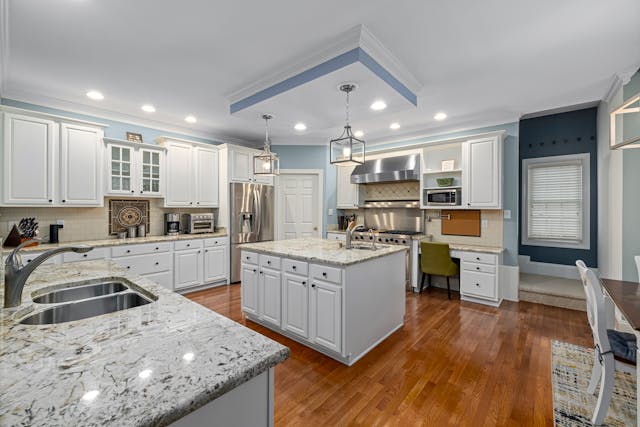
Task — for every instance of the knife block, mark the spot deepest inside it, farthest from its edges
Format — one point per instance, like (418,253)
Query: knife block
(14,238)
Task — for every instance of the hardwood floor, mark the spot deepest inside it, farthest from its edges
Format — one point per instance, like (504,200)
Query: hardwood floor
(453,363)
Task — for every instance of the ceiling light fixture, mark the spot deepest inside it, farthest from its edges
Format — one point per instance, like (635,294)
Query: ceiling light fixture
(148,108)
(394,126)
(347,149)
(378,105)
(300,126)
(94,94)
(190,119)
(266,163)
(440,116)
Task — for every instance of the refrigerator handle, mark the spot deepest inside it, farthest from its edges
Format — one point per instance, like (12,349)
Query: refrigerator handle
(257,213)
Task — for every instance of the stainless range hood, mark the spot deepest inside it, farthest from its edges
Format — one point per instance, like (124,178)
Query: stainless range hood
(390,169)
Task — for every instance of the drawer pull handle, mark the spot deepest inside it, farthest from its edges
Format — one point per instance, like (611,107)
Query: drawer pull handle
(157,248)
(478,258)
(304,283)
(248,257)
(206,251)
(128,250)
(254,270)
(478,284)
(85,255)
(261,272)
(188,244)
(215,243)
(313,285)
(269,262)
(157,263)
(128,267)
(477,268)
(324,274)
(293,266)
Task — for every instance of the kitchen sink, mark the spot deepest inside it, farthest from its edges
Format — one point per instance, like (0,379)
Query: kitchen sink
(75,293)
(85,309)
(364,248)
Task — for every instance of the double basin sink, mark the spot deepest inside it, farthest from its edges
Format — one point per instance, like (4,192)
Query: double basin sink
(82,300)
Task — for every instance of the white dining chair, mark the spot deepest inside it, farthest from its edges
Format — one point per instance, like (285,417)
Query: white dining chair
(613,351)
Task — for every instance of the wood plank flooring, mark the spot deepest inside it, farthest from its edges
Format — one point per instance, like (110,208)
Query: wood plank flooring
(453,363)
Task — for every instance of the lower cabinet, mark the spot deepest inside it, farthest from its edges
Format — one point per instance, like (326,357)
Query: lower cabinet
(188,268)
(216,263)
(480,278)
(270,296)
(326,315)
(249,289)
(295,304)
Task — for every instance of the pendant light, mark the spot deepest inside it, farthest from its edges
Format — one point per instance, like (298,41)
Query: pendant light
(346,150)
(266,163)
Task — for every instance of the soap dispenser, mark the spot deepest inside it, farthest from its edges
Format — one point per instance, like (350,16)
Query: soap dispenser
(53,232)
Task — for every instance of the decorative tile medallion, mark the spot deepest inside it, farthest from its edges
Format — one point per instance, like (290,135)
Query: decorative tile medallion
(127,213)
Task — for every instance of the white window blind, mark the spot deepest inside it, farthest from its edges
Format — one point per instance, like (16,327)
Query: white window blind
(554,201)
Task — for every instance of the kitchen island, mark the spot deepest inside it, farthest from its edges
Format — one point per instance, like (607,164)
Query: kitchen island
(167,361)
(340,302)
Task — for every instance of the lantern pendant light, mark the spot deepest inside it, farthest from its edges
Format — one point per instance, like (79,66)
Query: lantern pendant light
(346,150)
(266,163)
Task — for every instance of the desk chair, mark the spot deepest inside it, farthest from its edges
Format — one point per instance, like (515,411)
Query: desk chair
(436,259)
(613,349)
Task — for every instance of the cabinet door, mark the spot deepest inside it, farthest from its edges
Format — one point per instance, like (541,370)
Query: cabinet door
(215,263)
(346,192)
(249,287)
(179,175)
(241,166)
(270,296)
(206,177)
(482,173)
(28,160)
(80,166)
(150,176)
(326,315)
(121,170)
(295,303)
(187,268)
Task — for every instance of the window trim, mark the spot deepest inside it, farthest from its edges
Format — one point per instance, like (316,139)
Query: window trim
(585,159)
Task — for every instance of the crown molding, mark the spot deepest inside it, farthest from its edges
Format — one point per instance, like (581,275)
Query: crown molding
(618,80)
(4,44)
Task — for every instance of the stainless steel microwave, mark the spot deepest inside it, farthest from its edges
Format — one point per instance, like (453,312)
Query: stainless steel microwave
(449,197)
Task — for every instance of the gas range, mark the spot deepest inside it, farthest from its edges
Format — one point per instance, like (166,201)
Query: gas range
(388,237)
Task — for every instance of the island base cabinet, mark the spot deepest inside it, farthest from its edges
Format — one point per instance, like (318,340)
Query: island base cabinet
(249,288)
(295,314)
(326,315)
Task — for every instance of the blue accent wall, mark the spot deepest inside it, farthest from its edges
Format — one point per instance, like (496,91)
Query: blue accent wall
(573,132)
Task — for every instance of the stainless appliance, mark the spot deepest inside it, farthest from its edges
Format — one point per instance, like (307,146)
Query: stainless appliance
(199,223)
(171,224)
(450,197)
(390,169)
(251,219)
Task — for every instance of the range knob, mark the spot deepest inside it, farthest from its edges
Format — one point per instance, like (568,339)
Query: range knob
(370,237)
(404,242)
(386,240)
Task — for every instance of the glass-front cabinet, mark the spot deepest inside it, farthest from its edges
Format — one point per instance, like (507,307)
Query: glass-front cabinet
(134,169)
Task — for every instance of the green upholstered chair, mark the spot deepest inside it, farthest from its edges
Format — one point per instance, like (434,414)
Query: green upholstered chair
(435,259)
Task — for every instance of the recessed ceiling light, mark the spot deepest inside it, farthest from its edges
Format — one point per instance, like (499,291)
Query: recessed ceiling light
(190,119)
(94,94)
(358,134)
(378,105)
(148,108)
(394,125)
(440,116)
(300,126)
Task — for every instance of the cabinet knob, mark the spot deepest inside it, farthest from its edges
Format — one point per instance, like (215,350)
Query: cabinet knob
(157,248)
(247,257)
(304,283)
(215,243)
(199,251)
(85,255)
(128,267)
(188,244)
(478,258)
(269,262)
(50,200)
(197,203)
(128,250)
(64,201)
(468,204)
(261,272)
(254,270)
(293,266)
(190,203)
(141,191)
(477,268)
(157,263)
(206,251)
(478,284)
(313,285)
(324,274)
(132,191)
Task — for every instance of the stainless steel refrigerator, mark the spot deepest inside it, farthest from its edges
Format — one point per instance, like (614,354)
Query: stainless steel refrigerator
(252,219)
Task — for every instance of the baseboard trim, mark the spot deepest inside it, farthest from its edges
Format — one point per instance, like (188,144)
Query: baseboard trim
(548,269)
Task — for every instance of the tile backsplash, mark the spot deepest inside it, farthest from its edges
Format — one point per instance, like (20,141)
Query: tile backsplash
(490,229)
(84,223)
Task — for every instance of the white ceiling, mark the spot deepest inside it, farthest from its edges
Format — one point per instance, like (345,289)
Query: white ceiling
(482,63)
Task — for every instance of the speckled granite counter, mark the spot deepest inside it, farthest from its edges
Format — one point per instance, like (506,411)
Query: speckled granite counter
(476,248)
(222,232)
(321,250)
(150,365)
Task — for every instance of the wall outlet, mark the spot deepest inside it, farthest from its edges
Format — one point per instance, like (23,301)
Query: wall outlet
(330,212)
(507,214)
(60,222)
(485,223)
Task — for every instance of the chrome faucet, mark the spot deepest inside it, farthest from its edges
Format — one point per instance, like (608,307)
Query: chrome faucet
(350,228)
(16,274)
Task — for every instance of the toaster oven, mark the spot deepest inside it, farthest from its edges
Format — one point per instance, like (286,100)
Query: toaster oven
(199,223)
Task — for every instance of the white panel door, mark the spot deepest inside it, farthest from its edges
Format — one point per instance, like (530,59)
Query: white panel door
(215,263)
(206,178)
(241,166)
(188,268)
(298,199)
(326,315)
(482,173)
(28,160)
(80,166)
(346,192)
(179,175)
(249,288)
(295,304)
(270,296)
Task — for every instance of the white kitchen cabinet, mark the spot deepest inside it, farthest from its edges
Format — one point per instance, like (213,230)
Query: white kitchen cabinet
(216,263)
(295,304)
(249,288)
(179,175)
(326,315)
(188,269)
(241,166)
(134,169)
(206,179)
(81,165)
(151,169)
(482,173)
(270,295)
(347,194)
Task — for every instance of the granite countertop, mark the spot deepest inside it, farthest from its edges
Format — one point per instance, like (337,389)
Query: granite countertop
(222,232)
(413,236)
(322,250)
(150,365)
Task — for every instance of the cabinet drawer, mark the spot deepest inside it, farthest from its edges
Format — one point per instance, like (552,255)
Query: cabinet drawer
(479,257)
(270,262)
(474,266)
(215,241)
(27,257)
(97,253)
(296,267)
(329,274)
(147,264)
(147,248)
(187,244)
(478,284)
(249,257)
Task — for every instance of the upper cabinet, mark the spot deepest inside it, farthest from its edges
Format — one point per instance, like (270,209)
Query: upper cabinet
(192,174)
(134,169)
(241,166)
(347,194)
(50,162)
(482,173)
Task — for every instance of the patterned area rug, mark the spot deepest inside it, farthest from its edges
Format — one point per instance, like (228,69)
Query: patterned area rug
(572,405)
